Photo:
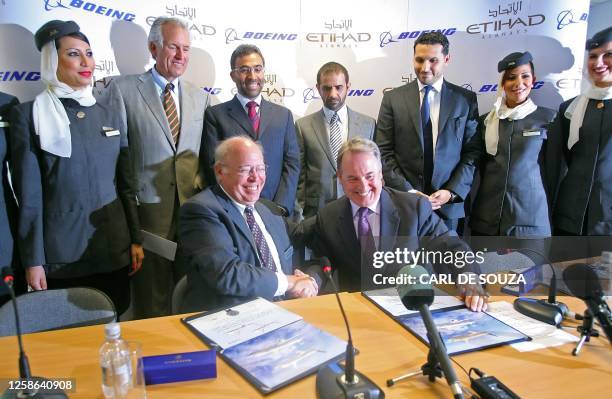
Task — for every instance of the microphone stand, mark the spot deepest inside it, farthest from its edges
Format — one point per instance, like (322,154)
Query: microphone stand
(586,331)
(332,381)
(546,310)
(25,375)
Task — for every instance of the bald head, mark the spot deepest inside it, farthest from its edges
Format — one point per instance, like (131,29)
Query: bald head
(240,169)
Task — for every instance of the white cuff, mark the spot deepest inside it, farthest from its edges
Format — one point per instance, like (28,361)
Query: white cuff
(282,284)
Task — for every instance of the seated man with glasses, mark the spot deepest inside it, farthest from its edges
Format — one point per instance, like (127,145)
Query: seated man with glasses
(232,246)
(265,122)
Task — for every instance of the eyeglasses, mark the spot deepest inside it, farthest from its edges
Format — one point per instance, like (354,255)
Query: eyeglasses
(245,70)
(248,170)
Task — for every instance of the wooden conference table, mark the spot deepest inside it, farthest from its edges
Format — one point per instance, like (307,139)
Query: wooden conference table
(387,350)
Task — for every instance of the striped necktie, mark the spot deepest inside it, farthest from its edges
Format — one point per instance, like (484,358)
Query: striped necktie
(262,246)
(253,116)
(335,136)
(172,113)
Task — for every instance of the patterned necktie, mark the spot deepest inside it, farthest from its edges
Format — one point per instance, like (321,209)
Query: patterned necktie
(171,113)
(364,232)
(253,116)
(335,136)
(262,246)
(427,141)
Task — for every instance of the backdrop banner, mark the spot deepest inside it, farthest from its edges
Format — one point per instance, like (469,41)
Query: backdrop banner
(373,40)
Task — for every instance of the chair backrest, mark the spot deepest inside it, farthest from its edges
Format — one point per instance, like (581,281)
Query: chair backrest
(178,295)
(56,309)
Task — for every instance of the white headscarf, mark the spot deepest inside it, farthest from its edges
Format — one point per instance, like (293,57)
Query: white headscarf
(51,123)
(575,111)
(501,111)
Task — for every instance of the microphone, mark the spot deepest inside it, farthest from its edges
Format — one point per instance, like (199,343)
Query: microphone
(334,383)
(419,295)
(24,365)
(548,311)
(583,282)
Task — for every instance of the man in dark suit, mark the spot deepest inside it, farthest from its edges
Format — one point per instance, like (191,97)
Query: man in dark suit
(427,133)
(320,136)
(165,121)
(371,218)
(233,247)
(267,123)
(8,207)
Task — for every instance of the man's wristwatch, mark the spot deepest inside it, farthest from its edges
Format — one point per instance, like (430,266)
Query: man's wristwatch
(453,197)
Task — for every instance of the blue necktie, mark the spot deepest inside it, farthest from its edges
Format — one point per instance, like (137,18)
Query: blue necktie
(428,161)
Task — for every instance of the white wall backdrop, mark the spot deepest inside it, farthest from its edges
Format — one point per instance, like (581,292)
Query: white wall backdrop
(373,39)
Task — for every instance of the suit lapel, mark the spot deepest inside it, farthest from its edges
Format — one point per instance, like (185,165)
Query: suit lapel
(346,229)
(389,222)
(413,105)
(187,110)
(353,124)
(237,218)
(237,113)
(319,126)
(150,95)
(446,105)
(265,116)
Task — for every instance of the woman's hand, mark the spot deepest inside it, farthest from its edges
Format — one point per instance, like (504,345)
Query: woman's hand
(36,278)
(137,255)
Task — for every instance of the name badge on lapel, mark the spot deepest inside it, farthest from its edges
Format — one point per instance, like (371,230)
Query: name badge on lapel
(531,132)
(110,132)
(3,123)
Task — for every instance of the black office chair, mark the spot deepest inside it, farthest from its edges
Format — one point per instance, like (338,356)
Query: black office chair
(57,309)
(178,295)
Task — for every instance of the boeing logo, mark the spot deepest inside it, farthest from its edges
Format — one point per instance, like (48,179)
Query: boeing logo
(11,76)
(231,35)
(49,4)
(493,87)
(91,7)
(310,94)
(360,92)
(212,90)
(467,86)
(387,38)
(566,18)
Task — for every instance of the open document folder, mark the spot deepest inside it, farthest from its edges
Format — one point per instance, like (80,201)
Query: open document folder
(461,329)
(268,345)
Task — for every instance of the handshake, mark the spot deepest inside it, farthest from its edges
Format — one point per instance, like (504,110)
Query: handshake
(301,285)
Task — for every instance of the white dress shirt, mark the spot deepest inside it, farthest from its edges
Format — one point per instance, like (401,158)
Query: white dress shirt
(281,278)
(160,85)
(434,107)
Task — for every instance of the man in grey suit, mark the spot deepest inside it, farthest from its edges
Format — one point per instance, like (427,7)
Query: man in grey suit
(426,132)
(265,122)
(233,247)
(164,123)
(320,136)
